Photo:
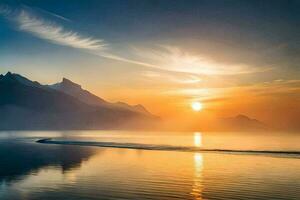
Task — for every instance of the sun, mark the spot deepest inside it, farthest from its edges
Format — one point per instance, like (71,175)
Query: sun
(197,106)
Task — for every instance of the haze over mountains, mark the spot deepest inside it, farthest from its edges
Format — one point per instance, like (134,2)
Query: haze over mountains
(241,123)
(26,104)
(237,123)
(75,90)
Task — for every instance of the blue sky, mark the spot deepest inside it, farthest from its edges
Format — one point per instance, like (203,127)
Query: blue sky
(251,32)
(162,47)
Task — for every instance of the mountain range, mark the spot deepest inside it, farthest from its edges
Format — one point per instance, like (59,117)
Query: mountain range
(241,123)
(29,105)
(26,104)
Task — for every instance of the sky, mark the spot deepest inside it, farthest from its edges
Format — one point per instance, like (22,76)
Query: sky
(234,57)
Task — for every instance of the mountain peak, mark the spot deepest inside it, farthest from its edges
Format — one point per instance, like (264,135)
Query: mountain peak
(16,78)
(70,84)
(65,80)
(69,87)
(8,73)
(242,123)
(141,108)
(242,117)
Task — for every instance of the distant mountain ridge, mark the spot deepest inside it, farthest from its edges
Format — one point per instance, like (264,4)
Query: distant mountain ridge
(75,90)
(242,123)
(26,104)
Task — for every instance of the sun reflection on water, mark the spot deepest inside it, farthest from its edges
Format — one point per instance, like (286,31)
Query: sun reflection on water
(197,139)
(197,186)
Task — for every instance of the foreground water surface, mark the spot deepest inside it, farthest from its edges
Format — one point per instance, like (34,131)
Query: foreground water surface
(149,165)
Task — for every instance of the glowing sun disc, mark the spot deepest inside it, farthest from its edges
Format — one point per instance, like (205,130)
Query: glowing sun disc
(197,106)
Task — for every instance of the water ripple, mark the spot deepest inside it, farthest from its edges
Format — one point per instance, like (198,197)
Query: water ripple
(289,154)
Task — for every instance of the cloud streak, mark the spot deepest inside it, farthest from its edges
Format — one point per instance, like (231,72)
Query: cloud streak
(55,33)
(165,58)
(179,78)
(174,59)
(54,15)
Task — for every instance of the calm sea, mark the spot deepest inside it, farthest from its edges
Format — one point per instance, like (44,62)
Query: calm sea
(149,165)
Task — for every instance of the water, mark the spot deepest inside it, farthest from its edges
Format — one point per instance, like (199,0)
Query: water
(148,165)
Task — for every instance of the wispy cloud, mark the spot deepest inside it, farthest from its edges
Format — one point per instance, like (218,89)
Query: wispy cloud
(164,58)
(175,59)
(179,78)
(56,33)
(53,14)
(49,30)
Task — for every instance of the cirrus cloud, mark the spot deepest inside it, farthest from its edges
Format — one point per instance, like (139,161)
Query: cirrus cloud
(162,57)
(56,33)
(49,30)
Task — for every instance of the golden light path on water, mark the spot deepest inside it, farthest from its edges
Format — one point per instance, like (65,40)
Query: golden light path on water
(198,167)
(197,185)
(197,139)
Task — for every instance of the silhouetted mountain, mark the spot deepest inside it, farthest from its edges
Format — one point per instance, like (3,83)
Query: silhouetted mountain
(18,91)
(9,77)
(25,104)
(136,108)
(241,123)
(75,90)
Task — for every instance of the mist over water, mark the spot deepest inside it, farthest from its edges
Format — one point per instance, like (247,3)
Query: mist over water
(31,170)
